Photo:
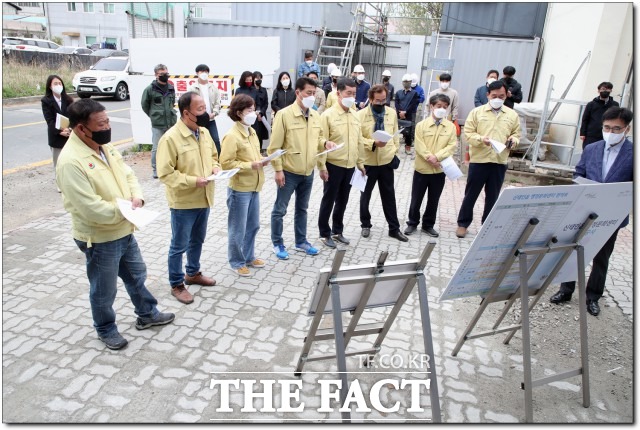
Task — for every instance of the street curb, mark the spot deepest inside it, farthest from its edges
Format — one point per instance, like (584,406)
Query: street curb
(22,100)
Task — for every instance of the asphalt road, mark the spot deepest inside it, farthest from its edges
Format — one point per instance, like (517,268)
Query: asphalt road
(24,132)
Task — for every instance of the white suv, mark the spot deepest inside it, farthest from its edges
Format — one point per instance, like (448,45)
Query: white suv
(26,44)
(108,77)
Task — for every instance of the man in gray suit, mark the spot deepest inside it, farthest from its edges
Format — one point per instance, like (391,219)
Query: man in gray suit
(609,160)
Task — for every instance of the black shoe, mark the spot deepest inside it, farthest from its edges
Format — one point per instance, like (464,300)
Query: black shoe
(327,241)
(593,307)
(560,297)
(397,235)
(410,229)
(114,341)
(430,231)
(340,238)
(366,231)
(160,319)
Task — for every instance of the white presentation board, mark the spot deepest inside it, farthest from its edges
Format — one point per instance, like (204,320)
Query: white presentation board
(561,210)
(225,56)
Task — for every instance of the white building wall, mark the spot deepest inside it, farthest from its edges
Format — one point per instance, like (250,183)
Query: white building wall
(571,31)
(97,23)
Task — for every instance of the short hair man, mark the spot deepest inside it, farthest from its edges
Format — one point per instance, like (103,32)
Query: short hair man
(321,99)
(211,96)
(296,129)
(445,88)
(186,157)
(91,175)
(591,127)
(406,104)
(480,97)
(308,65)
(386,77)
(608,160)
(487,168)
(378,159)
(339,124)
(514,89)
(158,100)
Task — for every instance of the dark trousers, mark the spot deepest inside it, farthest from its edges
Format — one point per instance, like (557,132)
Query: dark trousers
(383,175)
(489,176)
(409,132)
(213,131)
(334,198)
(434,184)
(598,277)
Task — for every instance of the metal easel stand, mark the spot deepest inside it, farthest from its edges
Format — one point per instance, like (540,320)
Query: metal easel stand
(520,252)
(342,337)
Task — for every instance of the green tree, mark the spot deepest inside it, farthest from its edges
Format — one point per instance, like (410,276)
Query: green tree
(416,18)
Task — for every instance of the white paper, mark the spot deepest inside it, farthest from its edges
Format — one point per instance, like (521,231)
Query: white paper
(358,180)
(139,217)
(450,168)
(339,146)
(62,122)
(381,136)
(223,174)
(266,124)
(497,146)
(584,181)
(276,154)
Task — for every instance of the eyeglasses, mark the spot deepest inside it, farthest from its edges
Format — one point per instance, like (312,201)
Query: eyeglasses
(615,130)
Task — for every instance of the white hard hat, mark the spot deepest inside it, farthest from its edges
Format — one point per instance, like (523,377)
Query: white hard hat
(386,73)
(414,78)
(330,67)
(336,73)
(358,68)
(406,77)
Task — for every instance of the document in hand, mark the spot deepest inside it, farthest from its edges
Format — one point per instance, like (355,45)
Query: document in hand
(62,122)
(339,146)
(450,168)
(223,174)
(139,217)
(358,180)
(584,181)
(276,154)
(383,136)
(497,146)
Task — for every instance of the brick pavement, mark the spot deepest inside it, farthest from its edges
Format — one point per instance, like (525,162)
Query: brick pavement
(56,370)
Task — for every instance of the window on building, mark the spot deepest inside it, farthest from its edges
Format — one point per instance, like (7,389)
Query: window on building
(109,8)
(88,7)
(71,7)
(112,42)
(90,40)
(28,4)
(197,12)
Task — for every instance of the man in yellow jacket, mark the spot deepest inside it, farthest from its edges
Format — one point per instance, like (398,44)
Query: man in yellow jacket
(340,125)
(491,122)
(297,130)
(378,160)
(435,140)
(91,175)
(186,157)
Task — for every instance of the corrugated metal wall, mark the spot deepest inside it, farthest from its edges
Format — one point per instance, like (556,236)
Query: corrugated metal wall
(335,16)
(525,20)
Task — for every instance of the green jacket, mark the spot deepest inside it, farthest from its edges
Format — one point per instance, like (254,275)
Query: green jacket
(158,103)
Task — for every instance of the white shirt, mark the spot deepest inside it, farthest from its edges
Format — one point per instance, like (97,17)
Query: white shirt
(205,95)
(609,157)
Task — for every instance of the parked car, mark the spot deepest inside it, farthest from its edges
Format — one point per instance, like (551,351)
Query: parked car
(26,44)
(108,53)
(108,77)
(73,50)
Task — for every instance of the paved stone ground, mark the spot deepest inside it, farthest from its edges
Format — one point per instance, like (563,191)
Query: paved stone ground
(56,370)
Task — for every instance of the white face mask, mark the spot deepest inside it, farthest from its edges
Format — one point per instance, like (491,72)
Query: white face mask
(360,77)
(444,85)
(57,89)
(348,102)
(491,81)
(307,102)
(414,84)
(613,139)
(309,63)
(250,118)
(203,76)
(440,113)
(285,82)
(496,103)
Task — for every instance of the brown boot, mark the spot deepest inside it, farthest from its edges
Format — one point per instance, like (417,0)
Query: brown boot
(181,293)
(199,279)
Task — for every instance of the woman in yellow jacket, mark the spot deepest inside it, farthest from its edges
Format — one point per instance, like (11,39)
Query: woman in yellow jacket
(241,150)
(435,140)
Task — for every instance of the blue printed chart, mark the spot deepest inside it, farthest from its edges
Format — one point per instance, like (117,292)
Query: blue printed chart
(561,210)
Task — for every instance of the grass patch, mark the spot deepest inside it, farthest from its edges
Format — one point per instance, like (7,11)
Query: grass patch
(143,147)
(23,80)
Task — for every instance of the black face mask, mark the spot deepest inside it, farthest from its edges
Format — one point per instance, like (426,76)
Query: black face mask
(605,94)
(101,136)
(202,120)
(377,108)
(164,78)
(258,82)
(385,79)
(335,81)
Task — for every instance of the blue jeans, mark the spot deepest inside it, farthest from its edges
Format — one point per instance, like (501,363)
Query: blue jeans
(213,131)
(105,262)
(188,231)
(243,226)
(301,185)
(156,134)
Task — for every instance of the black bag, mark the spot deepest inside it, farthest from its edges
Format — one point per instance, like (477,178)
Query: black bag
(395,163)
